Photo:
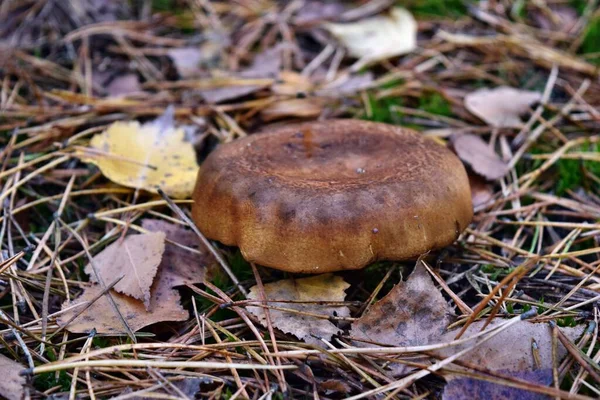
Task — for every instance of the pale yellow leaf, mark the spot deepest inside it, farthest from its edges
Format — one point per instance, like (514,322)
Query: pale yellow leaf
(379,37)
(137,258)
(320,288)
(146,156)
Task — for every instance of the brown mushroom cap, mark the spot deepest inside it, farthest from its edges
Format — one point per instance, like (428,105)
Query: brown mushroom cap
(332,195)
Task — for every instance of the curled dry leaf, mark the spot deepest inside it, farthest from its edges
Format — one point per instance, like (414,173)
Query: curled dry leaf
(11,384)
(265,66)
(412,313)
(164,306)
(496,355)
(182,266)
(346,85)
(189,60)
(124,85)
(313,12)
(137,258)
(379,37)
(472,388)
(299,108)
(321,288)
(472,150)
(501,107)
(146,156)
(334,386)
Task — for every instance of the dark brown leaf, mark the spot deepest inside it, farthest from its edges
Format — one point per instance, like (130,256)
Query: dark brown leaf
(471,388)
(182,266)
(412,313)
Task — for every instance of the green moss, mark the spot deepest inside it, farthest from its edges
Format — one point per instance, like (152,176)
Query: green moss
(163,5)
(591,40)
(436,8)
(572,172)
(381,110)
(435,103)
(43,382)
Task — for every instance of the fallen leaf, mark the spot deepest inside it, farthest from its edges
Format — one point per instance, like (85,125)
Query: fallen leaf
(300,108)
(313,12)
(501,107)
(164,306)
(327,287)
(511,349)
(182,266)
(292,83)
(472,388)
(137,258)
(379,37)
(146,156)
(265,65)
(334,386)
(188,386)
(413,313)
(11,384)
(563,18)
(124,85)
(188,60)
(472,150)
(347,85)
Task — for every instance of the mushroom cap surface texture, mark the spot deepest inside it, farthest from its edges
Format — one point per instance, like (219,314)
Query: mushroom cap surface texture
(332,195)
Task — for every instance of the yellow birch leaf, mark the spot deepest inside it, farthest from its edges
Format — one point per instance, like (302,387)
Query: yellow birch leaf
(146,156)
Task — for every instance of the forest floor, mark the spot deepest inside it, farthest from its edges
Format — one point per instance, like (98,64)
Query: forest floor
(512,86)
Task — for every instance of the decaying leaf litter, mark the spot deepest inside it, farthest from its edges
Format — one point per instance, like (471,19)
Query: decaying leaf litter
(84,89)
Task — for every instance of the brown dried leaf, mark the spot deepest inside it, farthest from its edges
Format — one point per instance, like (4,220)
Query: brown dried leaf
(334,385)
(501,107)
(164,306)
(473,151)
(137,258)
(327,287)
(472,388)
(11,384)
(413,313)
(511,349)
(182,266)
(300,108)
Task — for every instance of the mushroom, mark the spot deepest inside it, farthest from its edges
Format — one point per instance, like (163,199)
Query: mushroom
(332,195)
